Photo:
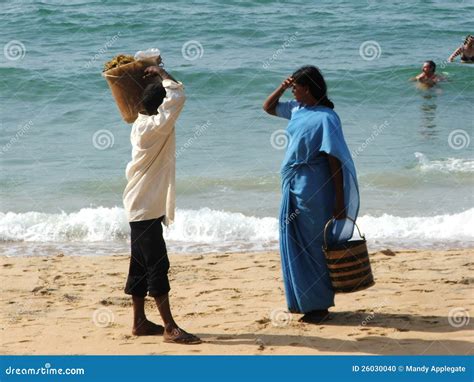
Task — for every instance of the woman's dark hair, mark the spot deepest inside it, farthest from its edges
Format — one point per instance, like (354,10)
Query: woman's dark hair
(431,64)
(153,96)
(311,77)
(468,37)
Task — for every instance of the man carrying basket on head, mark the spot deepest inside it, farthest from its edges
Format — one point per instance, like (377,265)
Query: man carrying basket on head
(149,200)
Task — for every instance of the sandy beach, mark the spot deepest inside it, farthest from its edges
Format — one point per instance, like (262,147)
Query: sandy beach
(62,304)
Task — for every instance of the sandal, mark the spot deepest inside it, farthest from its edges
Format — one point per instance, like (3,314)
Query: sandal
(179,336)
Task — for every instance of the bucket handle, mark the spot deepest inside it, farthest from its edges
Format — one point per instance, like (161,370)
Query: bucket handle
(331,221)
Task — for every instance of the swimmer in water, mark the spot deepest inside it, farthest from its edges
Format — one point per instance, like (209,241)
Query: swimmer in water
(466,51)
(428,75)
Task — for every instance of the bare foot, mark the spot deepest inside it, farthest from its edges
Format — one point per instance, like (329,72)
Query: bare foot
(179,336)
(147,328)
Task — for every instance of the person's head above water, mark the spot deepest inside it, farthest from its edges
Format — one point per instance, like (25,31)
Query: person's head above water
(153,96)
(429,67)
(309,87)
(469,41)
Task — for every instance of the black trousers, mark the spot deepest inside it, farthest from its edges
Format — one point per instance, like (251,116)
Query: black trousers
(149,262)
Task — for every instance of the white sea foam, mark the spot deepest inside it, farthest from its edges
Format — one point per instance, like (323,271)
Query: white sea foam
(449,165)
(420,232)
(207,230)
(86,225)
(206,225)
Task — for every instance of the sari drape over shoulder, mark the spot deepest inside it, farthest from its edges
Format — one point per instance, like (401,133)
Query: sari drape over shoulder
(308,200)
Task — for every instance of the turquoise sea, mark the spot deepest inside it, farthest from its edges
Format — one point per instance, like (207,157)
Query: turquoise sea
(64,146)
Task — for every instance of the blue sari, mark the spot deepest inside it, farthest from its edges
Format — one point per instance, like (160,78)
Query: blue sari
(308,199)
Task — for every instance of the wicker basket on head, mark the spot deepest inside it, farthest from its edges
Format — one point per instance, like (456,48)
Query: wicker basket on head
(348,263)
(127,84)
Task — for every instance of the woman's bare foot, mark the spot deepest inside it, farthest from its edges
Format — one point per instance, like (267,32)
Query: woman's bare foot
(147,328)
(177,335)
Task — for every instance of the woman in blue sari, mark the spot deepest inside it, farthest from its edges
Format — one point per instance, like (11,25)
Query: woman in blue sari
(318,183)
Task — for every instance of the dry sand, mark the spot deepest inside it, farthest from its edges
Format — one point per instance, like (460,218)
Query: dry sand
(421,304)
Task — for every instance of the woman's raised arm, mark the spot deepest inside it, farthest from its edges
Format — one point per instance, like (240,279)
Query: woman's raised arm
(456,53)
(270,103)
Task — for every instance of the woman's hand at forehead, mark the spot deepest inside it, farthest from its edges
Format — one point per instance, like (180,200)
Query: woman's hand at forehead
(287,83)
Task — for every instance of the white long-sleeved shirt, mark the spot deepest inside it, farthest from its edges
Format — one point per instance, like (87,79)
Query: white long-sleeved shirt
(150,191)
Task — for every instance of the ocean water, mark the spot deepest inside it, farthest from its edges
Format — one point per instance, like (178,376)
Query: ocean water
(64,147)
